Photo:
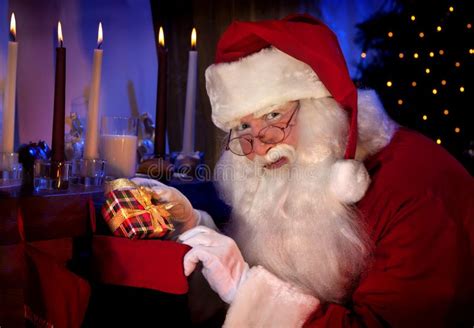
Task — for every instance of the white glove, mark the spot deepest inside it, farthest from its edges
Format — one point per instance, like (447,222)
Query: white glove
(185,216)
(223,265)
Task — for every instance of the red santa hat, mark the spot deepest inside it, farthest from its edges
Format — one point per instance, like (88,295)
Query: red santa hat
(261,64)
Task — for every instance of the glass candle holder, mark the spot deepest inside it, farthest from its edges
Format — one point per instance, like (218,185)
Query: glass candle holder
(50,175)
(10,169)
(88,172)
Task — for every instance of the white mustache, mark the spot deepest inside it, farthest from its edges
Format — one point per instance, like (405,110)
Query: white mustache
(274,154)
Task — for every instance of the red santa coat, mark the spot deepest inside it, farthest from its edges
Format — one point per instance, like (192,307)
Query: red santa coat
(419,213)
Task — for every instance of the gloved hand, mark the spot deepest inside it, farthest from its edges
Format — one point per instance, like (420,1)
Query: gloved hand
(186,216)
(223,265)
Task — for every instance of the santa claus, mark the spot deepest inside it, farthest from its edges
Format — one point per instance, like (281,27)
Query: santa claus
(340,217)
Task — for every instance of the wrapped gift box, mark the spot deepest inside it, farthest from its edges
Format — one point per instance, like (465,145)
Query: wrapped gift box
(131,211)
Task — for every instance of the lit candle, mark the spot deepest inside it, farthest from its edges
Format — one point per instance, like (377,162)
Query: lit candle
(57,147)
(91,150)
(10,89)
(190,109)
(160,125)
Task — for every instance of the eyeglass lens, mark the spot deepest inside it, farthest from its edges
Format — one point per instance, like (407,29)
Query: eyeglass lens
(271,134)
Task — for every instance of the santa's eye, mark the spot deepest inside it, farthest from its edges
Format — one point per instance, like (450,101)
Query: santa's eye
(273,116)
(242,127)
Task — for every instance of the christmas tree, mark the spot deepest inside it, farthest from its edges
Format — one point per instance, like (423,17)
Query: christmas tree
(419,58)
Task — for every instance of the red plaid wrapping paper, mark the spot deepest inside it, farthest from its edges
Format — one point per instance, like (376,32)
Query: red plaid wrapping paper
(133,213)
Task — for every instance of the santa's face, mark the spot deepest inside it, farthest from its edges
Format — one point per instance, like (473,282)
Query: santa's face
(284,216)
(257,135)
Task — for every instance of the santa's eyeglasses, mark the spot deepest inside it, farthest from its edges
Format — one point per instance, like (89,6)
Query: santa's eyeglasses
(270,135)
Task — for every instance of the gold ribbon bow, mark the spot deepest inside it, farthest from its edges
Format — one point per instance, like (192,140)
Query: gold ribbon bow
(159,213)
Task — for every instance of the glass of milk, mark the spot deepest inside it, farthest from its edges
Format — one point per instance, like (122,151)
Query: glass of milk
(118,145)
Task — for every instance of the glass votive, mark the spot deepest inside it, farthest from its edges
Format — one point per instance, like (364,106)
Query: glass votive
(49,175)
(118,145)
(10,169)
(88,172)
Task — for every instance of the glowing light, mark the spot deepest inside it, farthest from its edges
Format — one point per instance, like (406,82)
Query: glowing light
(401,55)
(13,26)
(451,9)
(439,28)
(161,37)
(431,54)
(100,35)
(389,84)
(400,102)
(461,89)
(363,55)
(469,25)
(457,64)
(390,34)
(441,52)
(427,71)
(434,91)
(446,112)
(425,117)
(438,141)
(413,84)
(471,51)
(413,18)
(193,38)
(415,55)
(60,34)
(443,82)
(421,35)
(457,130)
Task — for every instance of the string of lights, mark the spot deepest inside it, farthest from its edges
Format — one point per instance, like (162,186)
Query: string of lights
(420,61)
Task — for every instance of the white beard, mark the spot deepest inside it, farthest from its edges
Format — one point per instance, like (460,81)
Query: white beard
(286,220)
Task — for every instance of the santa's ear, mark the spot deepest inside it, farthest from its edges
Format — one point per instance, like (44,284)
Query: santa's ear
(348,181)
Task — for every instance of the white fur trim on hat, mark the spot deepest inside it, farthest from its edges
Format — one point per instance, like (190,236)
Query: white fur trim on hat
(349,181)
(264,79)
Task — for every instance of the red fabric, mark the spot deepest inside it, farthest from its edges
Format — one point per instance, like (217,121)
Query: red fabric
(92,218)
(54,296)
(302,37)
(420,213)
(152,264)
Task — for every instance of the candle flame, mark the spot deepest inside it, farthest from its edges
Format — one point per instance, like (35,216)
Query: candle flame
(100,36)
(13,25)
(193,38)
(60,34)
(161,37)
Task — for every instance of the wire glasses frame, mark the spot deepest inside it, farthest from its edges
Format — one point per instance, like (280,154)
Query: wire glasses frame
(272,134)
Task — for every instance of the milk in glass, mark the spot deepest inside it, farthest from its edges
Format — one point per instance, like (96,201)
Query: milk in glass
(120,152)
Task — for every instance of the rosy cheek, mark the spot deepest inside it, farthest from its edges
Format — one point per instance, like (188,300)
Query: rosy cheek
(293,138)
(250,156)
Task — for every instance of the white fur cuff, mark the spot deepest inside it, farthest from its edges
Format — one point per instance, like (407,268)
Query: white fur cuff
(204,219)
(266,301)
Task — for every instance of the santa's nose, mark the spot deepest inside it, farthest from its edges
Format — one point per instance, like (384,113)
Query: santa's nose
(260,148)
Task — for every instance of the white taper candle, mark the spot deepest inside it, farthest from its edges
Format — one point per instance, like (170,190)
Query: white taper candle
(190,109)
(10,91)
(91,147)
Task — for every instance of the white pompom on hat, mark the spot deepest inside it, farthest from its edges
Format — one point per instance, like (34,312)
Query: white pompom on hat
(348,180)
(267,63)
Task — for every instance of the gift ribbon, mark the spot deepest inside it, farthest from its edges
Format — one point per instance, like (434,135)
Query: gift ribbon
(144,196)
